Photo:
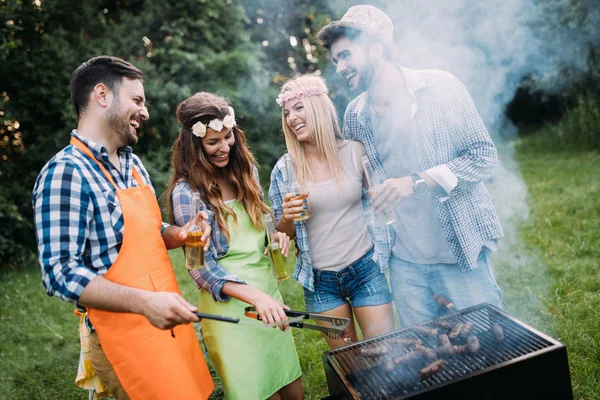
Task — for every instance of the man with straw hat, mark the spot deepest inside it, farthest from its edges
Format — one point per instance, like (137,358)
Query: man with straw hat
(432,152)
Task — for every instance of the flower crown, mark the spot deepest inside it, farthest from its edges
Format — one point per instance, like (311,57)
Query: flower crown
(199,128)
(294,94)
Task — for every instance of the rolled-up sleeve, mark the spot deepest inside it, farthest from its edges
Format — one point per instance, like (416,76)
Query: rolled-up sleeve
(62,214)
(213,276)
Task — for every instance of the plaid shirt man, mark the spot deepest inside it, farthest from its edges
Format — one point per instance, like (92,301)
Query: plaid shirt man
(454,148)
(379,232)
(78,218)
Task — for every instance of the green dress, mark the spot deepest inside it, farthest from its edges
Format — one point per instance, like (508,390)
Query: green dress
(252,361)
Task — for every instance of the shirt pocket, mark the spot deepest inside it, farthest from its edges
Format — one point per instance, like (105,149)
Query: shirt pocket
(113,205)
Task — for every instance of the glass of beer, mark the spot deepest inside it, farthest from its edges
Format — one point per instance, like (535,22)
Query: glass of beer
(194,245)
(275,256)
(295,187)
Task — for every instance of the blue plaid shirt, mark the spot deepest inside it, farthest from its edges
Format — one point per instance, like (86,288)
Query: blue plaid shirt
(451,135)
(380,233)
(213,276)
(78,218)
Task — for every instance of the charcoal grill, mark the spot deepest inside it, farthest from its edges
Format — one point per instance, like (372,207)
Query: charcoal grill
(527,364)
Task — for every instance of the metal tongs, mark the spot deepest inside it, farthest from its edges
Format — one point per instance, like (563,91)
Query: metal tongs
(337,330)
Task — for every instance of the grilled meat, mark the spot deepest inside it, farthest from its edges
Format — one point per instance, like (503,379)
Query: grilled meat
(473,344)
(432,369)
(456,330)
(424,330)
(426,351)
(498,333)
(388,364)
(402,341)
(440,323)
(409,357)
(373,352)
(465,331)
(444,340)
(450,350)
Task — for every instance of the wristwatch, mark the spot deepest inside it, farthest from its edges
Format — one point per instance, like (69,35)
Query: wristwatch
(420,185)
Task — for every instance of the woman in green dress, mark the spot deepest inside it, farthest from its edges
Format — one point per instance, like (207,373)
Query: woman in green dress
(210,156)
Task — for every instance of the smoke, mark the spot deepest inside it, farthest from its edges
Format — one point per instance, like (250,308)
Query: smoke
(491,46)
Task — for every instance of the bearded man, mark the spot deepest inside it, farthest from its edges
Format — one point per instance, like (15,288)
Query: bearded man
(102,246)
(431,150)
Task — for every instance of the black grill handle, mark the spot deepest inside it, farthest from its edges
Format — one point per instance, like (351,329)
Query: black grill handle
(293,314)
(217,317)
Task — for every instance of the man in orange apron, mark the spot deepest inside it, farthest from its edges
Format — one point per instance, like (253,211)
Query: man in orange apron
(101,244)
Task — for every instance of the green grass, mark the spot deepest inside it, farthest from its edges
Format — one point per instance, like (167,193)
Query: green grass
(547,267)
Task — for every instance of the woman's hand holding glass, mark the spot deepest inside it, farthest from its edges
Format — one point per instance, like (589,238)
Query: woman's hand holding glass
(294,206)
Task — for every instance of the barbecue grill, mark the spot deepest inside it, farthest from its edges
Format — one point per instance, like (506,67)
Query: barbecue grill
(525,364)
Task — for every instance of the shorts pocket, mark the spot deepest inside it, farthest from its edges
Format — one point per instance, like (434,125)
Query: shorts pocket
(368,272)
(316,297)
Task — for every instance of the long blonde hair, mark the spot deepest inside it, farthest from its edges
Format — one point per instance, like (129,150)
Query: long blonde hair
(190,163)
(321,121)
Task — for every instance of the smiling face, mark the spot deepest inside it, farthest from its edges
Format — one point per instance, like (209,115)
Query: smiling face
(295,119)
(352,62)
(127,111)
(218,145)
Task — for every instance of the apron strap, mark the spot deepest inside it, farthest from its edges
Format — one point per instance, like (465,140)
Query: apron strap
(85,150)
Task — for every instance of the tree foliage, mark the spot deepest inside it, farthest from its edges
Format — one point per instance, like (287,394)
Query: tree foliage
(182,46)
(241,49)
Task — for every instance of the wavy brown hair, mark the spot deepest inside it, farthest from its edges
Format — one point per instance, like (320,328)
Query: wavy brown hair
(190,163)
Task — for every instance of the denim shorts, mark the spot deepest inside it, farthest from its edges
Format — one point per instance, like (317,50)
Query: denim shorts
(361,283)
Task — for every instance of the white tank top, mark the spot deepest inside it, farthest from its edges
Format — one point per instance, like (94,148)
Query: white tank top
(337,230)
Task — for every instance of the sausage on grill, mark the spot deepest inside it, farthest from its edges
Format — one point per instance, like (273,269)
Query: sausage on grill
(450,350)
(440,323)
(456,330)
(432,369)
(498,333)
(426,351)
(473,344)
(376,351)
(465,331)
(409,357)
(444,340)
(388,364)
(424,330)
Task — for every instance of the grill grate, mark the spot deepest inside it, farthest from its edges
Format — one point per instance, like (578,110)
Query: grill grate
(367,378)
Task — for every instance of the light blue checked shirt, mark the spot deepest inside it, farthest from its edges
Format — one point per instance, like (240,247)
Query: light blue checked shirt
(380,233)
(78,217)
(455,149)
(213,276)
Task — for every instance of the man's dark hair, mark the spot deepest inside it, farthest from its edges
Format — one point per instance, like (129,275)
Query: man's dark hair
(103,69)
(332,32)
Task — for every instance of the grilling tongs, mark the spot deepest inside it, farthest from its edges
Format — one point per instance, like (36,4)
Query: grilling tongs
(337,330)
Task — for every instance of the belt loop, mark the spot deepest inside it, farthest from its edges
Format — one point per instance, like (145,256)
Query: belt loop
(352,270)
(317,275)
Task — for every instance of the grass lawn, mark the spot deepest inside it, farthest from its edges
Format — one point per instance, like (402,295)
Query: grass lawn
(547,267)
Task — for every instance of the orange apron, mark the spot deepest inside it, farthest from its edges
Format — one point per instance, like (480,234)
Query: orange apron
(150,363)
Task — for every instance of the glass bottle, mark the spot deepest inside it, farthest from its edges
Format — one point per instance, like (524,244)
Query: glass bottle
(295,187)
(194,245)
(275,256)
(388,215)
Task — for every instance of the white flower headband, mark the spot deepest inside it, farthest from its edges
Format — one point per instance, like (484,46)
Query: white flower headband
(294,94)
(199,128)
